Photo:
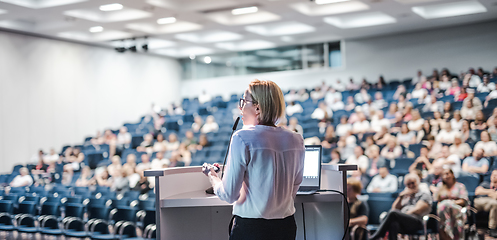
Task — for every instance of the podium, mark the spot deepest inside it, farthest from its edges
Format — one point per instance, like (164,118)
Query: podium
(185,212)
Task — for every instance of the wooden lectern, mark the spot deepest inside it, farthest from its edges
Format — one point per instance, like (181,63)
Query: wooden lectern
(185,211)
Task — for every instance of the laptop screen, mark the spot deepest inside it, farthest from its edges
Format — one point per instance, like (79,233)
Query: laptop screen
(312,168)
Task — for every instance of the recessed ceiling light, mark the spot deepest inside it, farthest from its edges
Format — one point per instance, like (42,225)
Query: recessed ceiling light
(360,20)
(287,39)
(329,1)
(96,29)
(167,20)
(111,7)
(192,56)
(281,28)
(240,11)
(207,59)
(450,9)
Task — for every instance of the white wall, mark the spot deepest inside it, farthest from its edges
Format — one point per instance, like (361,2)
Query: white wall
(54,93)
(395,56)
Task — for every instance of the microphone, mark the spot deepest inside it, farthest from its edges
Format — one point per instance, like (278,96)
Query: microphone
(211,189)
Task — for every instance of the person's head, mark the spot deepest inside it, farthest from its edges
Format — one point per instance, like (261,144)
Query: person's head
(378,96)
(173,137)
(420,73)
(148,138)
(202,140)
(104,174)
(123,130)
(374,152)
(485,137)
(493,176)
(412,181)
(437,115)
(380,114)
(427,126)
(478,154)
(383,171)
(447,107)
(445,152)
(415,115)
(343,119)
(454,83)
(330,131)
(131,159)
(76,151)
(85,172)
(350,100)
(393,108)
(23,171)
(392,142)
(438,168)
(448,177)
(263,103)
(465,125)
(424,151)
(358,151)
(116,160)
(479,116)
(198,120)
(469,104)
(189,134)
(404,128)
(370,140)
(471,93)
(457,139)
(457,115)
(159,155)
(335,154)
(210,119)
(52,151)
(145,158)
(433,98)
(354,188)
(160,137)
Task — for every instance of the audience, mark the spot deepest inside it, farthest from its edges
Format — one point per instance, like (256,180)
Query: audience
(209,126)
(23,179)
(486,201)
(359,210)
(475,164)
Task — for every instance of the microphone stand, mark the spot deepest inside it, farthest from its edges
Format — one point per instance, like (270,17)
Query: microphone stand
(211,189)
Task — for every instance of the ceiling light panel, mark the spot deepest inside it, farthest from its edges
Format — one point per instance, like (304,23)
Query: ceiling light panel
(155,43)
(279,29)
(167,20)
(152,28)
(320,2)
(36,4)
(3,11)
(245,45)
(246,10)
(96,29)
(107,35)
(449,9)
(111,7)
(209,36)
(360,20)
(226,18)
(312,9)
(415,1)
(184,52)
(95,15)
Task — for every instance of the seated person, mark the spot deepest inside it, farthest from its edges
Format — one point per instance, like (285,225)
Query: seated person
(361,126)
(145,164)
(23,179)
(39,172)
(485,200)
(382,136)
(210,125)
(115,165)
(383,182)
(449,161)
(460,148)
(406,137)
(375,161)
(120,181)
(476,164)
(130,161)
(423,163)
(159,162)
(147,144)
(359,158)
(486,143)
(359,211)
(294,126)
(433,179)
(293,108)
(86,178)
(446,135)
(407,211)
(392,150)
(322,112)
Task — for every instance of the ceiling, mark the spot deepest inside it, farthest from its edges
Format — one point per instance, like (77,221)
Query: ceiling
(203,27)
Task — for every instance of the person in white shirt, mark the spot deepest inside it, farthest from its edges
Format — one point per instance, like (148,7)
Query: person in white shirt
(51,157)
(362,96)
(22,180)
(352,86)
(448,160)
(337,105)
(339,86)
(419,91)
(361,126)
(159,162)
(416,122)
(292,96)
(293,108)
(359,159)
(210,125)
(317,94)
(123,137)
(204,97)
(486,143)
(383,182)
(445,83)
(322,112)
(486,86)
(420,78)
(446,135)
(379,122)
(456,121)
(302,95)
(433,105)
(472,79)
(332,96)
(293,125)
(263,191)
(343,127)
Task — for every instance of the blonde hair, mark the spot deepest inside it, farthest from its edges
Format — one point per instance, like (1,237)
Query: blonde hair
(355,185)
(270,99)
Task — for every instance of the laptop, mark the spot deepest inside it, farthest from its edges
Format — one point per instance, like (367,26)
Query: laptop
(311,182)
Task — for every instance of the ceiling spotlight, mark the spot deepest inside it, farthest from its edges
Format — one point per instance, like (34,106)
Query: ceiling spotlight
(167,20)
(245,10)
(207,59)
(329,1)
(96,29)
(111,7)
(192,56)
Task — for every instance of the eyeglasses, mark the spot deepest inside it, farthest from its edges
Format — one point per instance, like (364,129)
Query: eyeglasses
(242,102)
